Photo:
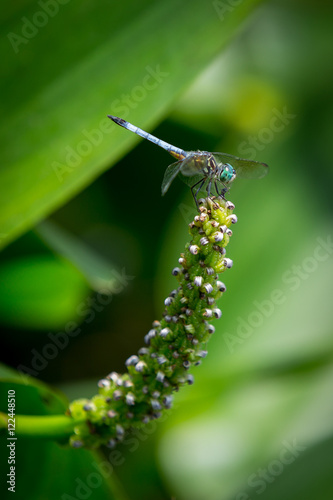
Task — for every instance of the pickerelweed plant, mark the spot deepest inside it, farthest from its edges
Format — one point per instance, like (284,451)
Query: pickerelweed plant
(172,346)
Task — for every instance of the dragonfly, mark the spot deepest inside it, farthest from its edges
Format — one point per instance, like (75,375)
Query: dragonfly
(201,169)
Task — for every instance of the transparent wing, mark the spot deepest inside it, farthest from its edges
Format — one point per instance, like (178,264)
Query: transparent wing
(169,175)
(190,181)
(188,170)
(246,169)
(194,163)
(192,166)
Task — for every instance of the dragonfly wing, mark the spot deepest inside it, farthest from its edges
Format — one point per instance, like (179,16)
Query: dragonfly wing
(194,163)
(191,172)
(246,169)
(192,166)
(193,179)
(170,173)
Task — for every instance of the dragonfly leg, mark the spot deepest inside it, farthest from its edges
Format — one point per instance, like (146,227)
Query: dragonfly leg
(223,191)
(201,182)
(209,187)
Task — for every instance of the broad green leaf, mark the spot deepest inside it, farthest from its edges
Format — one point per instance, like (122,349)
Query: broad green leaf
(40,292)
(87,61)
(244,431)
(308,476)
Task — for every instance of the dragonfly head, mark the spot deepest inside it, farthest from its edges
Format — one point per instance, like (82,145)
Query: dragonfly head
(228,173)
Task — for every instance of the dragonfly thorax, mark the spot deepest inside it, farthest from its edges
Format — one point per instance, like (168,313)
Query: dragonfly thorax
(205,164)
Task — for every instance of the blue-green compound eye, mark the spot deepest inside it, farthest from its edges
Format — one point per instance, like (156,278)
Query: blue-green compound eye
(228,173)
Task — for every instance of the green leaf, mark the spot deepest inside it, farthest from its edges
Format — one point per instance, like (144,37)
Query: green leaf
(88,61)
(40,292)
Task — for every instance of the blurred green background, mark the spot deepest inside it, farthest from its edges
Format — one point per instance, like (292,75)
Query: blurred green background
(249,78)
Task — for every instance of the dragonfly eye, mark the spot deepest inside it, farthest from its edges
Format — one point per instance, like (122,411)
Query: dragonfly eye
(228,173)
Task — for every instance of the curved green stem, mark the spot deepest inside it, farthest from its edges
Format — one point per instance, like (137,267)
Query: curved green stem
(46,426)
(173,345)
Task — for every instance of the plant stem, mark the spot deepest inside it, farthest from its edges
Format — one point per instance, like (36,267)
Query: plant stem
(173,345)
(46,426)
